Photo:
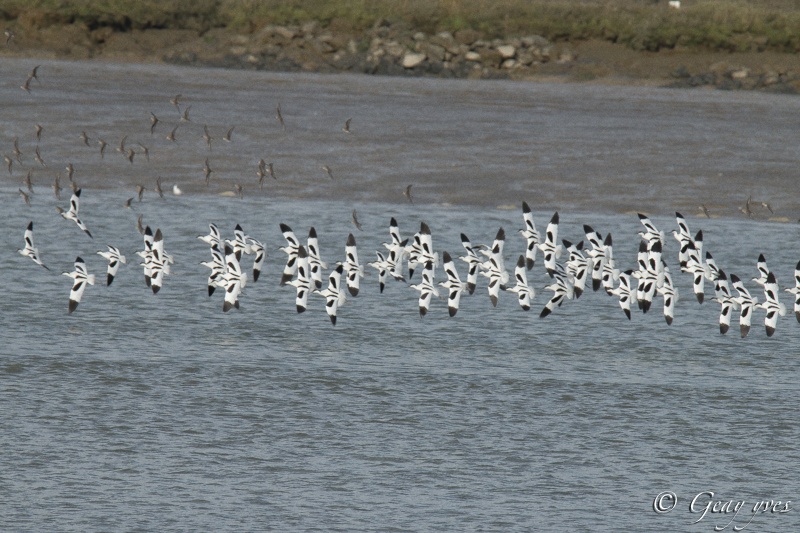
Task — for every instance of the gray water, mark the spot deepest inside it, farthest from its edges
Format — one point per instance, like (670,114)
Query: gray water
(144,412)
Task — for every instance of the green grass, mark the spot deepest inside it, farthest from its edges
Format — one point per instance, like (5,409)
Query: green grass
(735,25)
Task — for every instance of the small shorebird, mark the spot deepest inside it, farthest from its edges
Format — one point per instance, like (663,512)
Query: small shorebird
(103,145)
(84,138)
(346,127)
(355,221)
(227,137)
(175,101)
(153,122)
(158,188)
(407,193)
(17,152)
(206,135)
(27,85)
(207,170)
(139,192)
(279,116)
(704,209)
(27,181)
(745,209)
(327,169)
(57,187)
(39,132)
(25,197)
(171,135)
(38,157)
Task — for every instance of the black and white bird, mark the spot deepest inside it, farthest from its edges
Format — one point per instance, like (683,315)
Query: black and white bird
(624,292)
(159,264)
(530,235)
(453,284)
(72,213)
(494,267)
(796,291)
(669,293)
(610,272)
(597,255)
(726,300)
(694,266)
(684,237)
(550,247)
(30,250)
(291,249)
(352,268)
(746,302)
(114,258)
(80,278)
(562,289)
(420,249)
(147,255)
(525,293)
(382,266)
(772,305)
(334,296)
(427,290)
(239,243)
(303,280)
(397,251)
(214,237)
(315,262)
(577,266)
(217,265)
(259,253)
(234,280)
(650,234)
(763,270)
(473,263)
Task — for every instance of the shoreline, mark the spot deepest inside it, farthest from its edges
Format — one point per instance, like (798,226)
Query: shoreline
(396,50)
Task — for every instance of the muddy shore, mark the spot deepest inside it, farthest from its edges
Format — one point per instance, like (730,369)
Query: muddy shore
(395,49)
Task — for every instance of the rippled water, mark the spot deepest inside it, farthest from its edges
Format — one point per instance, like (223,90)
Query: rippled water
(143,412)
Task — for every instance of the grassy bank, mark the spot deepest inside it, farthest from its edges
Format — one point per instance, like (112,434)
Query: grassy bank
(718,25)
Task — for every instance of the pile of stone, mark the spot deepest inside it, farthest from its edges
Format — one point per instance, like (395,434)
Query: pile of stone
(385,49)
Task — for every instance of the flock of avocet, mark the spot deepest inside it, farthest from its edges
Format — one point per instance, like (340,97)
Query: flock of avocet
(304,268)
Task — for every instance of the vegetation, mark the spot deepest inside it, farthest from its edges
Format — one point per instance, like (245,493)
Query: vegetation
(735,25)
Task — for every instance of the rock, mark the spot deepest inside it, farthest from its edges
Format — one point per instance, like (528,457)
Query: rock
(309,28)
(472,56)
(411,60)
(466,36)
(432,51)
(507,51)
(740,74)
(285,32)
